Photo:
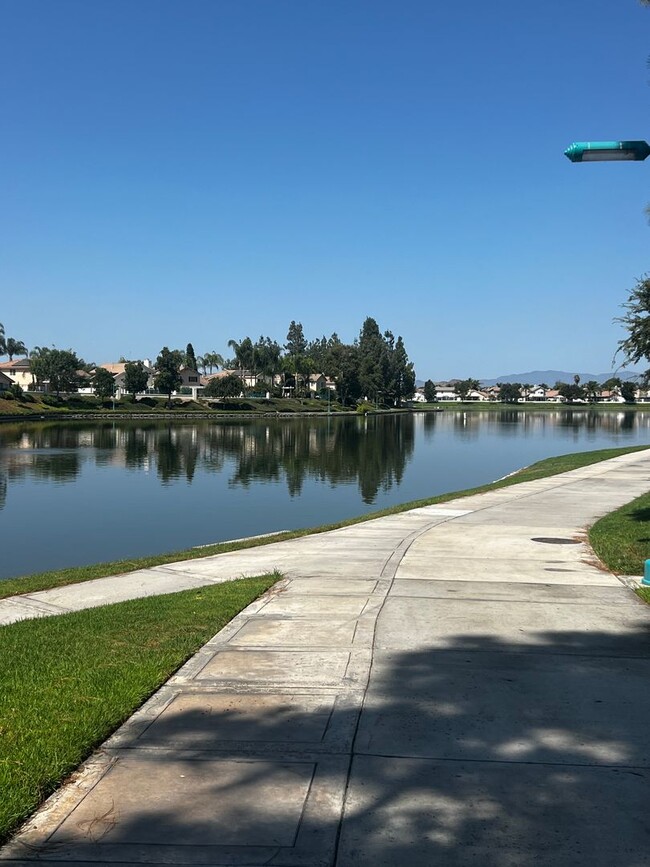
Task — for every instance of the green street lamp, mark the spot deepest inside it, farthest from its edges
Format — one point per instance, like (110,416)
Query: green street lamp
(601,151)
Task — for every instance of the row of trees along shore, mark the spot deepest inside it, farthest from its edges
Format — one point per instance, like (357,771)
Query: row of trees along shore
(512,392)
(375,366)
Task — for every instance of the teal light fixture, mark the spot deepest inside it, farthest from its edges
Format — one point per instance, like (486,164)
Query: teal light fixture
(601,151)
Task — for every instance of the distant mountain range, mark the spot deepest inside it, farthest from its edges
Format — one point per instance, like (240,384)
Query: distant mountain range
(550,377)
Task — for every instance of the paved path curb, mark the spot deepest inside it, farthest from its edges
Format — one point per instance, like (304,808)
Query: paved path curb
(460,684)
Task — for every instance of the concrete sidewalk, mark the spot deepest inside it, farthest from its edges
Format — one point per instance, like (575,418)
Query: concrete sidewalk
(460,684)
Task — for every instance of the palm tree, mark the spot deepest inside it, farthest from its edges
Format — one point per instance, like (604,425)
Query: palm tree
(213,359)
(592,389)
(244,355)
(14,347)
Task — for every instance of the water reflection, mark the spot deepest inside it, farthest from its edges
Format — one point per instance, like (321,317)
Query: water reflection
(159,486)
(373,452)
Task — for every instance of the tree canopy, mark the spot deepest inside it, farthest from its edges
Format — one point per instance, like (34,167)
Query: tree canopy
(636,346)
(224,386)
(103,383)
(14,347)
(464,386)
(509,392)
(136,377)
(57,367)
(168,365)
(430,391)
(190,358)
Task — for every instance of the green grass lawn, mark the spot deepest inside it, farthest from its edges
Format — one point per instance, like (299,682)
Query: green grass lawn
(48,405)
(622,539)
(78,574)
(67,682)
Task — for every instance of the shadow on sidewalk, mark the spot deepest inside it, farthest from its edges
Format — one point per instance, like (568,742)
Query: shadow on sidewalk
(483,752)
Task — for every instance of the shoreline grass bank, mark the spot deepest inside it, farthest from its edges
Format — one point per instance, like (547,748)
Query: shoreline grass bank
(85,407)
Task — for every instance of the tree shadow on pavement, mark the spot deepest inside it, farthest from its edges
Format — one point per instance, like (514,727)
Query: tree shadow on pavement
(479,752)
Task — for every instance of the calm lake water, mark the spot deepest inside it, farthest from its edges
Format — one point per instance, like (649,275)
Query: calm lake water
(75,493)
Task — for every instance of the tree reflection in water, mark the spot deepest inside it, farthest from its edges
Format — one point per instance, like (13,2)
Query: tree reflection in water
(372,451)
(203,481)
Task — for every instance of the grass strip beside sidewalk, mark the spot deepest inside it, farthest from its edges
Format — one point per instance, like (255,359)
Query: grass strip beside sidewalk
(79,574)
(622,539)
(67,682)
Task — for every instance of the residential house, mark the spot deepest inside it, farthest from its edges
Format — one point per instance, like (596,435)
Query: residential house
(117,368)
(611,396)
(446,390)
(537,392)
(19,372)
(642,395)
(5,382)
(492,391)
(316,382)
(475,394)
(418,396)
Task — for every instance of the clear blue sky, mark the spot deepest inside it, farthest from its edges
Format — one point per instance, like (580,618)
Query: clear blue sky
(200,170)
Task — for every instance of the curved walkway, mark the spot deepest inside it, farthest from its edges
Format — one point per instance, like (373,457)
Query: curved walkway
(459,684)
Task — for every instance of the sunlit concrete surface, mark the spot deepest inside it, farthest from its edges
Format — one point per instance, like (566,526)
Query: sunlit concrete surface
(459,685)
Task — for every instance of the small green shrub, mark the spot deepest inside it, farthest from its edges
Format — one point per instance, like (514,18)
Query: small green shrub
(364,407)
(7,395)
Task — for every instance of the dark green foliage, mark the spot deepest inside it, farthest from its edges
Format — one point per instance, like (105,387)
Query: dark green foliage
(343,366)
(592,390)
(168,365)
(296,343)
(244,354)
(14,347)
(103,383)
(509,392)
(58,368)
(136,377)
(190,358)
(224,386)
(385,373)
(267,356)
(429,391)
(628,392)
(636,346)
(464,386)
(571,391)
